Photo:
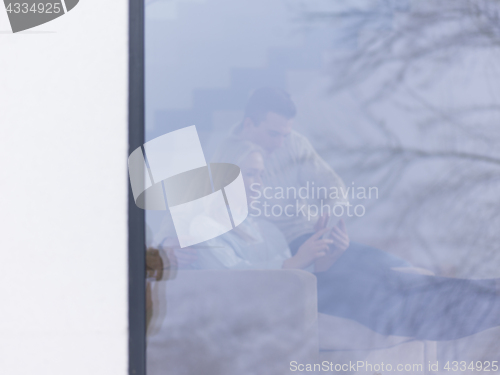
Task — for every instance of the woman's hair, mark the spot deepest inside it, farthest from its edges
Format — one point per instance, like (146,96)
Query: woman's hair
(234,151)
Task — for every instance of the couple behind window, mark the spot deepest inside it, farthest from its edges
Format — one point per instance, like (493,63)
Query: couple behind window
(356,282)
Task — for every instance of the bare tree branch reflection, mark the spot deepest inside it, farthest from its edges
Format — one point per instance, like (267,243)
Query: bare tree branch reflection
(440,165)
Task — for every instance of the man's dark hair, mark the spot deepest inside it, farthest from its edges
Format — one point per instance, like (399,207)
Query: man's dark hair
(269,99)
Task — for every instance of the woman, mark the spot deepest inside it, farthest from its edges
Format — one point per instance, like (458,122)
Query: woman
(360,283)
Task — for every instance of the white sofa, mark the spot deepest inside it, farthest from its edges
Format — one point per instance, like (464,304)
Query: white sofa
(232,322)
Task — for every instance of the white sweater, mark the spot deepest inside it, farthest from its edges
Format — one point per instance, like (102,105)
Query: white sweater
(294,166)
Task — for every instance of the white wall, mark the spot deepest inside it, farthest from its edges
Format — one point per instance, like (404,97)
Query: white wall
(63,193)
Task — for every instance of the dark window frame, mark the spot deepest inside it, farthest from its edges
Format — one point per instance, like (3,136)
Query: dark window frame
(136,216)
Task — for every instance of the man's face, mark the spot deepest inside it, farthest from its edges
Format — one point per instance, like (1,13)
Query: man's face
(271,132)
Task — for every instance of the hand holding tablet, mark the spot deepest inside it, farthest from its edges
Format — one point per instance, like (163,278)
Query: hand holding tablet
(338,234)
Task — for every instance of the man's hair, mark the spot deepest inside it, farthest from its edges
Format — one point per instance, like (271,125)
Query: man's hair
(269,99)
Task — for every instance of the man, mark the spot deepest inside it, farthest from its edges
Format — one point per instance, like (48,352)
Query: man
(294,173)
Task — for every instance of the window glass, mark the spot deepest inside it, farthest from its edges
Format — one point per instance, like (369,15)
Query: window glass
(321,185)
